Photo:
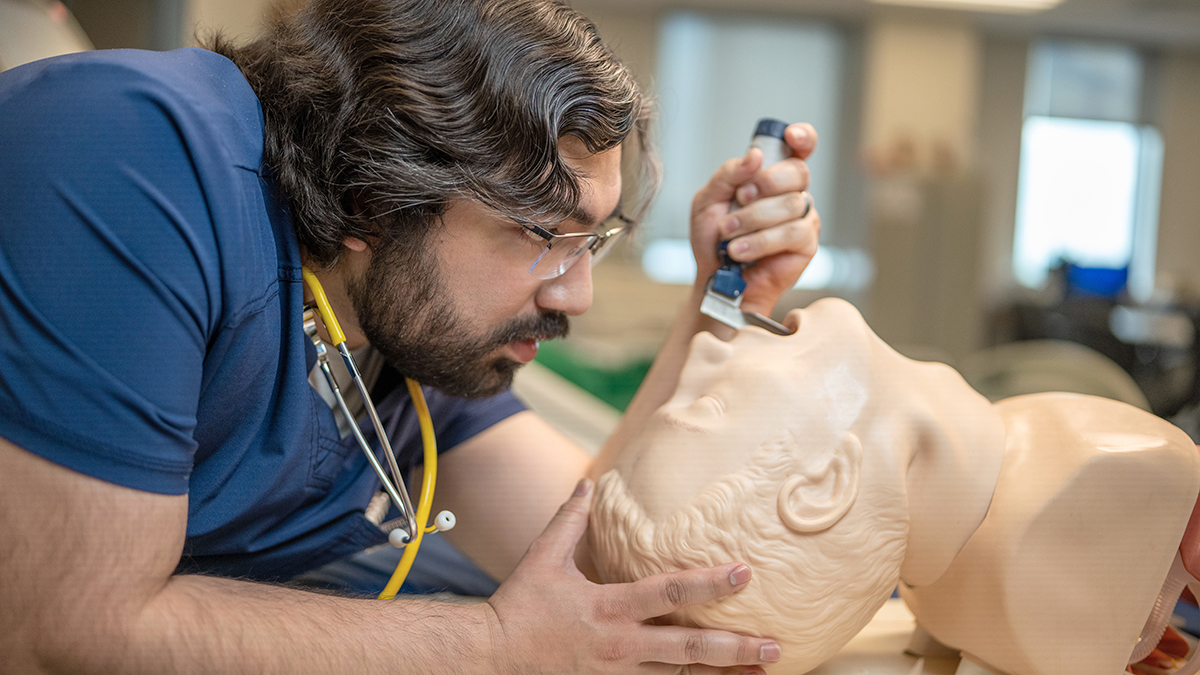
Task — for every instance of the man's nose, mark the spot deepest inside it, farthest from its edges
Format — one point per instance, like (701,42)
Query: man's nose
(570,293)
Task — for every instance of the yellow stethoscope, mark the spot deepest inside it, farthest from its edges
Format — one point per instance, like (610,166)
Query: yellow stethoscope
(409,533)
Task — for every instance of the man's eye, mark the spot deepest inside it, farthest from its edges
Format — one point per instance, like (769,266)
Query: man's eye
(533,237)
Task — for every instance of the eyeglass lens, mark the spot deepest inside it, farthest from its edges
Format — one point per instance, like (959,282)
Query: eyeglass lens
(560,255)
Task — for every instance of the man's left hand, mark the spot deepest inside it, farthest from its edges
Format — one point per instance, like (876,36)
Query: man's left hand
(769,226)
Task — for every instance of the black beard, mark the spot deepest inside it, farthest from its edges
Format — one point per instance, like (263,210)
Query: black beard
(403,311)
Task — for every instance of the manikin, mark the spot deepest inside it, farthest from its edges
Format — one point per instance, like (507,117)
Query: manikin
(1033,535)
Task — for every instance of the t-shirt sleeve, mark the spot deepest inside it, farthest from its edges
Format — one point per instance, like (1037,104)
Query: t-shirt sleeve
(108,291)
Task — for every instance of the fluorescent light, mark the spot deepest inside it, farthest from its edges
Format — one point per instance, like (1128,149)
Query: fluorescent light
(1007,6)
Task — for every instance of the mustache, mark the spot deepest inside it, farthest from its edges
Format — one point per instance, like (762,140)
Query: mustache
(544,326)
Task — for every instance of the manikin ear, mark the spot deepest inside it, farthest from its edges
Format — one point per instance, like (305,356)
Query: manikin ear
(818,496)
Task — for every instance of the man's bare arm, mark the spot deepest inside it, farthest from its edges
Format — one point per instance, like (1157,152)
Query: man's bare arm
(87,587)
(505,484)
(86,584)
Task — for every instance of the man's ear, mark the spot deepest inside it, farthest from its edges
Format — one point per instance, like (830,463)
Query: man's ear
(355,244)
(817,497)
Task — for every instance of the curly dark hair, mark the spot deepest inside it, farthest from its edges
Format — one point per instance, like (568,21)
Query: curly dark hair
(379,112)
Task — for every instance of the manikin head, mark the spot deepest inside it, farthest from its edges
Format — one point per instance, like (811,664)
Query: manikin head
(829,463)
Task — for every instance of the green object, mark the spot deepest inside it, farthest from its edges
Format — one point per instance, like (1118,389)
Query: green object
(614,386)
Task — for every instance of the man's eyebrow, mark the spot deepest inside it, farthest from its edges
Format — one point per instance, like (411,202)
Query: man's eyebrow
(579,215)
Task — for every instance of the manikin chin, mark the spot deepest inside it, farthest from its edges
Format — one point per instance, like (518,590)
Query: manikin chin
(838,469)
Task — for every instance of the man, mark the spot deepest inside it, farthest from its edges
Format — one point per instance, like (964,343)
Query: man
(162,446)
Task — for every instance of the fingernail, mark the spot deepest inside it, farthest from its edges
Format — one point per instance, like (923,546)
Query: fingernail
(800,133)
(740,575)
(582,488)
(729,226)
(739,247)
(747,194)
(770,653)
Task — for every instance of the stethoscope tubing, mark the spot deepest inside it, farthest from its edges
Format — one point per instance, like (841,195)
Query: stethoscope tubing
(410,520)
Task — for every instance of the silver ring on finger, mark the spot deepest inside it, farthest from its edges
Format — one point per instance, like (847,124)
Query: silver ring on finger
(808,204)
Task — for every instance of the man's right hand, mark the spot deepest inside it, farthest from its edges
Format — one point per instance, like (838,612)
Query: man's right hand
(547,618)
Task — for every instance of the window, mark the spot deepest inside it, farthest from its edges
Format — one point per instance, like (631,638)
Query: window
(717,76)
(1090,167)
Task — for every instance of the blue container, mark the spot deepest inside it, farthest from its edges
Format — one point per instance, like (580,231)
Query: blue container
(1096,281)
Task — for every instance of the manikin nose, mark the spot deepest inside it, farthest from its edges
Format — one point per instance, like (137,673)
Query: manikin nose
(711,348)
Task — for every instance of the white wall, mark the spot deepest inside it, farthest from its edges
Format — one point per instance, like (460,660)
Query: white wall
(1179,217)
(922,83)
(237,19)
(919,127)
(1000,123)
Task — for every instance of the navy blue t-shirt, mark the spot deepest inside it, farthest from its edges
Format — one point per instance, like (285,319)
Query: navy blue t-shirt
(150,312)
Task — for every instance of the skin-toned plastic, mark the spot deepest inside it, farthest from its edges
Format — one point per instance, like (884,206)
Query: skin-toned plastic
(836,467)
(1092,501)
(824,459)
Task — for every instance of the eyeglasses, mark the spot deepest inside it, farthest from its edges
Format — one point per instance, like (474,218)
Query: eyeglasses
(563,250)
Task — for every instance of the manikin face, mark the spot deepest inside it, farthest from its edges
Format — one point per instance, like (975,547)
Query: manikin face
(819,459)
(921,427)
(734,397)
(472,313)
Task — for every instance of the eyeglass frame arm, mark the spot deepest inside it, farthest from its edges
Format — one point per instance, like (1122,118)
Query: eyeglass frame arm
(552,238)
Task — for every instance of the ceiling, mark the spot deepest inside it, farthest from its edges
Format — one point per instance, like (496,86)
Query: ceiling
(1151,23)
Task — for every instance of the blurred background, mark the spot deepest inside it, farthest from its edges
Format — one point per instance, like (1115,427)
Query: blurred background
(1009,186)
